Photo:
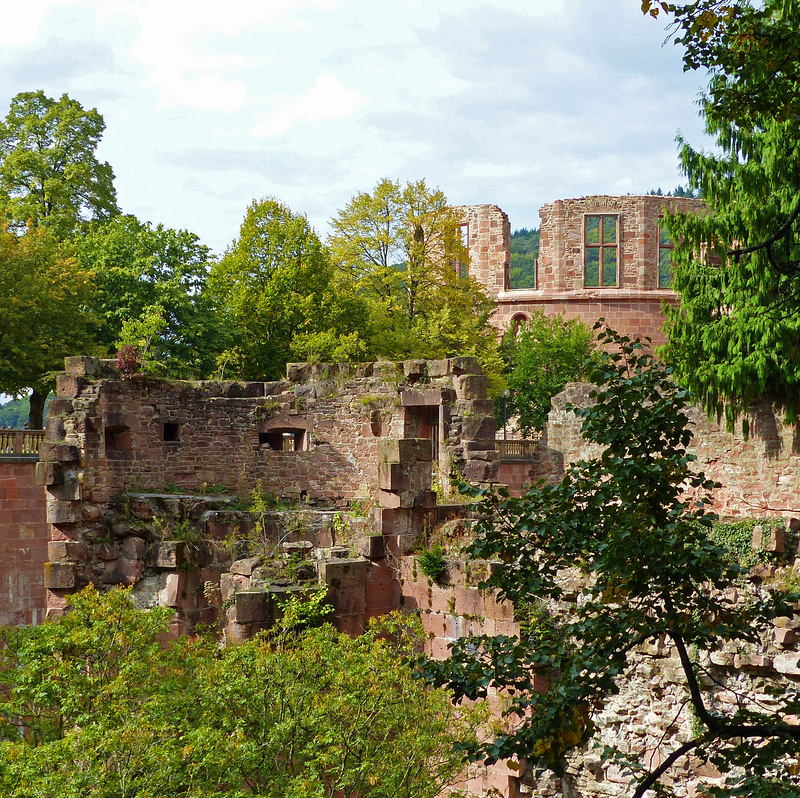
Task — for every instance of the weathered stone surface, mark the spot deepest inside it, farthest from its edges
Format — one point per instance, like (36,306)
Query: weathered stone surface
(60,550)
(421,397)
(402,450)
(478,427)
(252,607)
(61,512)
(229,583)
(49,474)
(298,372)
(170,554)
(471,386)
(68,386)
(59,576)
(171,592)
(246,566)
(122,571)
(59,452)
(464,365)
(787,663)
(372,547)
(82,366)
(772,539)
(414,369)
(134,548)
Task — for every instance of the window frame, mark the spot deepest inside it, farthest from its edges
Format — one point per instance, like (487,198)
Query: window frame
(670,247)
(601,246)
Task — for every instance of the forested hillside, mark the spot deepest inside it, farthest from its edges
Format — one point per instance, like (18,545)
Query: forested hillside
(524,251)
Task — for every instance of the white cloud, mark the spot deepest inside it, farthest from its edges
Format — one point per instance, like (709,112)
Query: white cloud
(329,99)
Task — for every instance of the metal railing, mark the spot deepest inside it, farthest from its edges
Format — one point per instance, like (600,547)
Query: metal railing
(515,449)
(15,443)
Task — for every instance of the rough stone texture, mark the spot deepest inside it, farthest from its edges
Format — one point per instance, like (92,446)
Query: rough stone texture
(758,475)
(633,307)
(24,532)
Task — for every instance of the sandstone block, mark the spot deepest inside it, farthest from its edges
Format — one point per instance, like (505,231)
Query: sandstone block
(70,490)
(59,576)
(68,386)
(54,428)
(58,452)
(480,471)
(471,386)
(421,397)
(246,566)
(298,372)
(438,368)
(171,593)
(404,450)
(784,638)
(81,366)
(134,548)
(413,369)
(371,547)
(387,369)
(464,365)
(122,571)
(170,554)
(230,583)
(771,539)
(49,474)
(61,550)
(252,607)
(478,427)
(108,551)
(59,407)
(60,512)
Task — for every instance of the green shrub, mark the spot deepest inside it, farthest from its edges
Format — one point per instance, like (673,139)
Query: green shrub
(432,563)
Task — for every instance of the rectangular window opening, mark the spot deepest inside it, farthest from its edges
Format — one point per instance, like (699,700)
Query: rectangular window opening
(171,432)
(601,250)
(665,249)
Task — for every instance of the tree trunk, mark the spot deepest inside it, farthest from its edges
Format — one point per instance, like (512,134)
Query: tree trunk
(38,399)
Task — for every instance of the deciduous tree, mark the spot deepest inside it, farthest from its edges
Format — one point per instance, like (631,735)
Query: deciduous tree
(49,173)
(541,356)
(625,519)
(400,247)
(44,313)
(97,705)
(275,287)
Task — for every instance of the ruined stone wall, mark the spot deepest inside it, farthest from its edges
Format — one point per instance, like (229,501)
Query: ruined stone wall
(329,435)
(24,533)
(632,307)
(488,239)
(759,475)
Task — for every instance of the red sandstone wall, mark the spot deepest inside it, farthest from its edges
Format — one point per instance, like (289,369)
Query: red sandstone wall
(759,476)
(23,544)
(633,307)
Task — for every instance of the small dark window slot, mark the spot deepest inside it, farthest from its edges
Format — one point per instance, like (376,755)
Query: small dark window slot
(171,432)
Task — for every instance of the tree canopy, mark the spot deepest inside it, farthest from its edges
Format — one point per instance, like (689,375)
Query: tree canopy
(274,287)
(49,173)
(736,335)
(541,356)
(401,249)
(98,705)
(143,272)
(44,313)
(626,520)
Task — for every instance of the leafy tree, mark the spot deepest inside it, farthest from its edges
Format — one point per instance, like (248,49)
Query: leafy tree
(541,356)
(143,273)
(400,249)
(44,299)
(96,704)
(275,287)
(624,519)
(524,252)
(16,412)
(49,174)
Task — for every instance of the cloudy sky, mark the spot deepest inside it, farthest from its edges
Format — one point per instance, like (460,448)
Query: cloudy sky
(209,105)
